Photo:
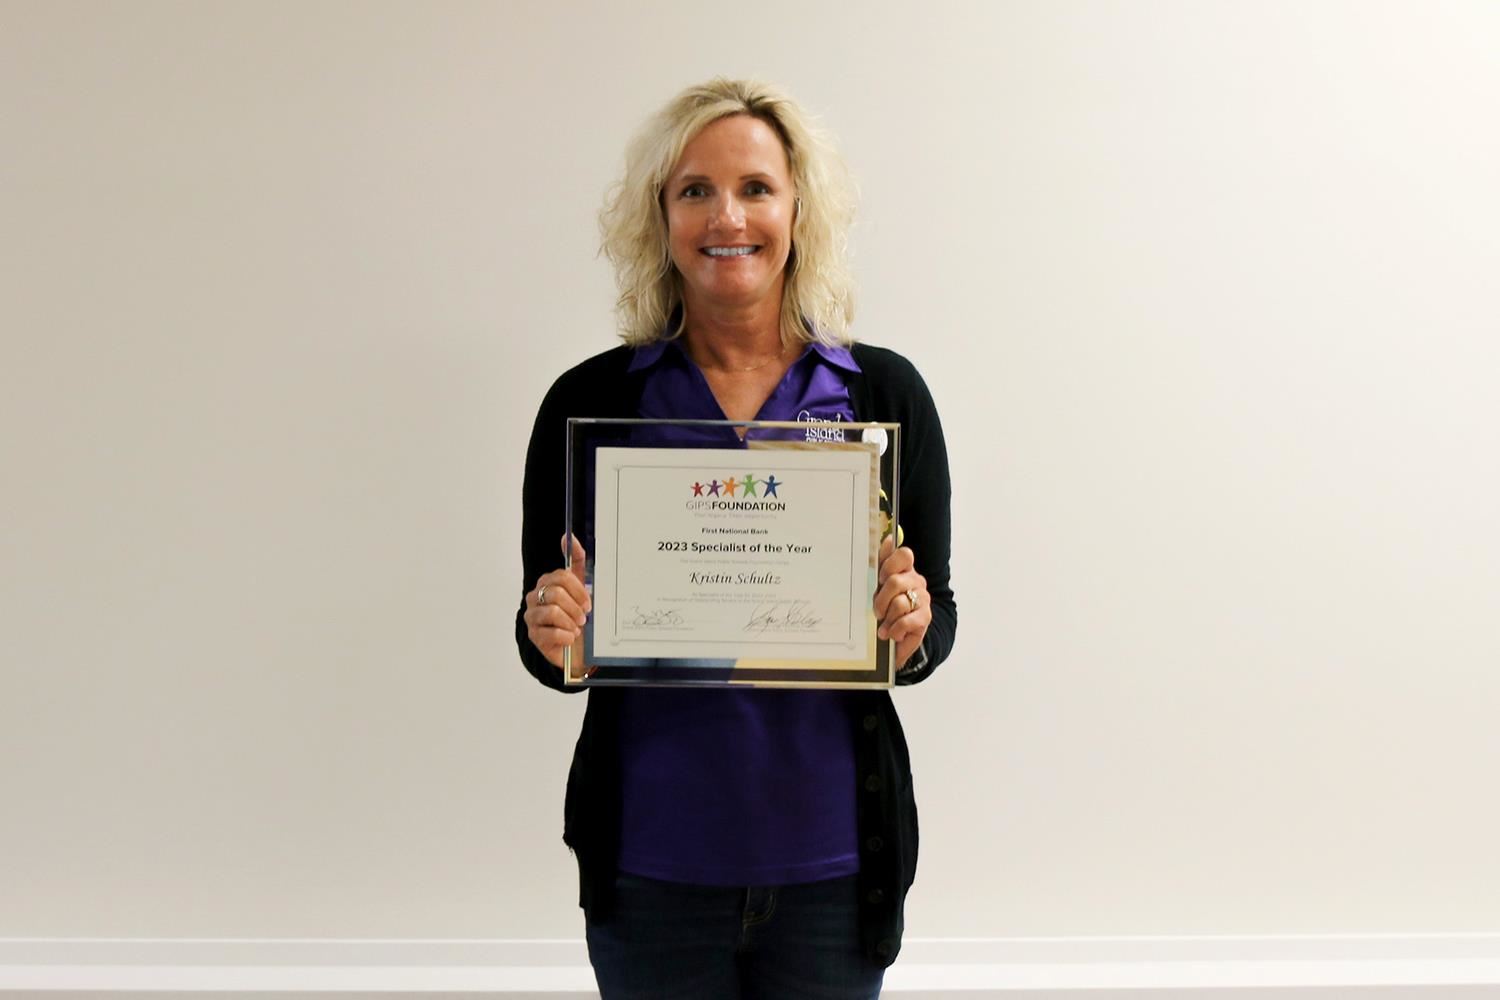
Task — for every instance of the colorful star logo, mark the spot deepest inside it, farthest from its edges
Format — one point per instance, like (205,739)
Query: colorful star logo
(729,486)
(697,489)
(713,488)
(770,484)
(749,485)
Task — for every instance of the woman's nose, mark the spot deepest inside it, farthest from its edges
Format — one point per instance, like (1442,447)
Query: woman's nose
(728,212)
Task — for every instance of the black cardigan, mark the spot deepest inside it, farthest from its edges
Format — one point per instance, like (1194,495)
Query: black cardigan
(887,388)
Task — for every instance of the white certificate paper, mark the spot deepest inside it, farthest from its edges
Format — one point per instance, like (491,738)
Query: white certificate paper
(728,554)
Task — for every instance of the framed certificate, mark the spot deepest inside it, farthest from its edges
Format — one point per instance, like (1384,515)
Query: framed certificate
(739,553)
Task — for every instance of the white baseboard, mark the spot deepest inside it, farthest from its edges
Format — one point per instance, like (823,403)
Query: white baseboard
(1276,968)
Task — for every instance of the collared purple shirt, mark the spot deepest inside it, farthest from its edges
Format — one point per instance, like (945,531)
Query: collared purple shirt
(734,786)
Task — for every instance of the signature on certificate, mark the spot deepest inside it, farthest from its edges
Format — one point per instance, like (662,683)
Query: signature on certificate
(782,616)
(654,617)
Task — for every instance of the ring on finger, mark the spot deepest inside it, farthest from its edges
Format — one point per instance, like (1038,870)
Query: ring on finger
(541,593)
(911,598)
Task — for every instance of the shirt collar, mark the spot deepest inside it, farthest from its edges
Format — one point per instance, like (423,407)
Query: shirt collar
(645,357)
(839,357)
(650,354)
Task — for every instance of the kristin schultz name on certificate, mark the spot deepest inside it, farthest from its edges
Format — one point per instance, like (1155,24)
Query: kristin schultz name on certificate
(725,553)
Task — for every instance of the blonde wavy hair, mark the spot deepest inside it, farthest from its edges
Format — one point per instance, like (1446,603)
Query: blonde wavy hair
(818,295)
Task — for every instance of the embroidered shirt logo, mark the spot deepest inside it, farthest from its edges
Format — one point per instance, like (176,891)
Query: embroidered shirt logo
(826,429)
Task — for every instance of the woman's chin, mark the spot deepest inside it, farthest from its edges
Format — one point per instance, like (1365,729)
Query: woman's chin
(736,296)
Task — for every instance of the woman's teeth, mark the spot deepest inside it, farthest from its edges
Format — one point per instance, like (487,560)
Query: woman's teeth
(728,251)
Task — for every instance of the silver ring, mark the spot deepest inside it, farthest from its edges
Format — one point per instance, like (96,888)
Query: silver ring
(541,594)
(911,598)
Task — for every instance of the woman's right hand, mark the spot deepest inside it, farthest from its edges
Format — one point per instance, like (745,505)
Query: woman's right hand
(557,607)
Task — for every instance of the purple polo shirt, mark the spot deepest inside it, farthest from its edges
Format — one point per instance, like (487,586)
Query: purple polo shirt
(739,787)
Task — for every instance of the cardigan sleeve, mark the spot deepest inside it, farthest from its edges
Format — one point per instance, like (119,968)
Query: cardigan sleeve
(542,522)
(599,387)
(896,391)
(926,510)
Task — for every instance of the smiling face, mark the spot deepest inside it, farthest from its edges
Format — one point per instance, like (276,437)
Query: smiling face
(729,204)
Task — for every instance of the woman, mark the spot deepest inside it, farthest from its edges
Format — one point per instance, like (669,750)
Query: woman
(740,842)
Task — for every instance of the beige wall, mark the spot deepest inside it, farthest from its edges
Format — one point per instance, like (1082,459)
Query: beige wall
(1204,290)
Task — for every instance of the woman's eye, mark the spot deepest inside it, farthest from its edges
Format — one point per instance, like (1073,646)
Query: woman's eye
(756,187)
(693,191)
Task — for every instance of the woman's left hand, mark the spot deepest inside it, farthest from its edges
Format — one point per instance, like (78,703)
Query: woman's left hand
(903,609)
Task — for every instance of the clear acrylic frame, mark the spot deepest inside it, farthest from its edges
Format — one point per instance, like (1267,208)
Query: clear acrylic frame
(623,469)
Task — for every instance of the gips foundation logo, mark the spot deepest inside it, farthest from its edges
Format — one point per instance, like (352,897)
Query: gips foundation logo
(747,492)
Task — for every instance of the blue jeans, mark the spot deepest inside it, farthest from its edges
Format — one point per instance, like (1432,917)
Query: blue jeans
(667,941)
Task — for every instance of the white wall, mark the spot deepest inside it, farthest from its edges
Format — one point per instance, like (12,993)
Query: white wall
(1205,293)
